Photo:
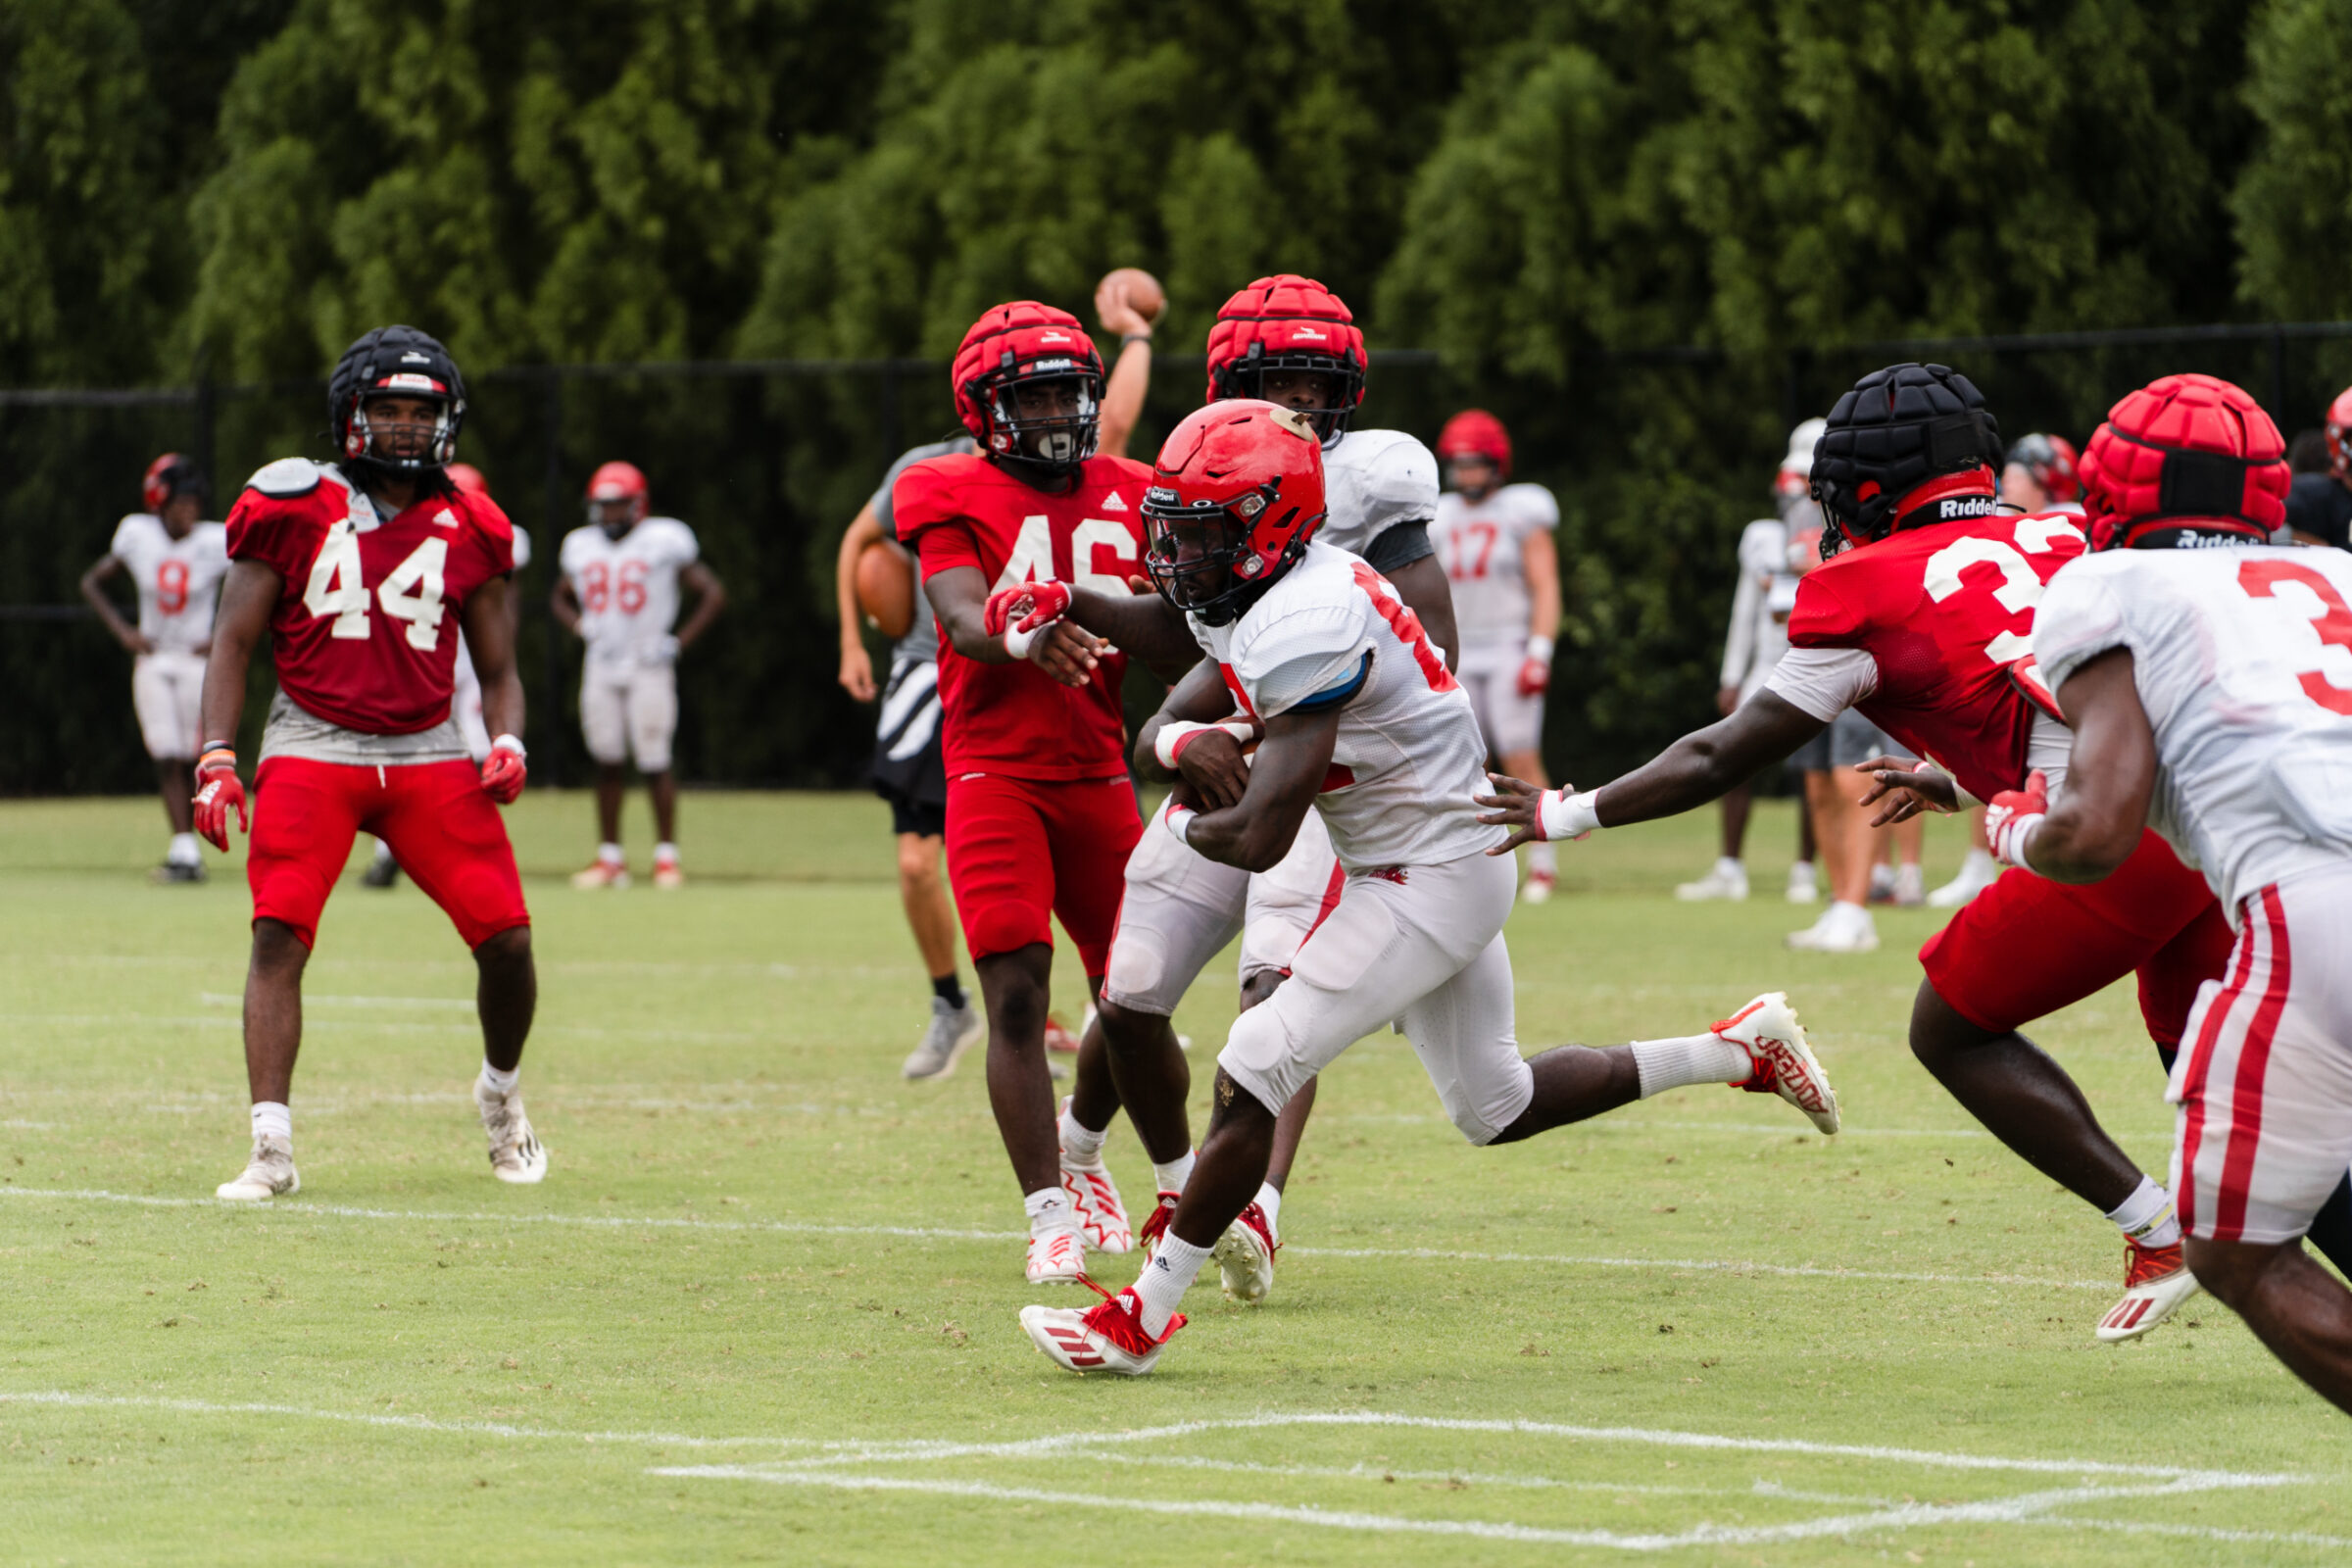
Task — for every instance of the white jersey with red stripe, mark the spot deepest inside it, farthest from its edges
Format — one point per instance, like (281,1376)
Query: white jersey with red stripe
(1333,633)
(2242,657)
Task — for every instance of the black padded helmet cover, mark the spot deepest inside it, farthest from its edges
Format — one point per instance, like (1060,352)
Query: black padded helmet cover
(1897,429)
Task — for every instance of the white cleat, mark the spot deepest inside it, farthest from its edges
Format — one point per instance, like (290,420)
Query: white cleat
(1108,1336)
(1095,1197)
(953,1031)
(1057,1258)
(515,1153)
(1728,879)
(1842,928)
(1538,886)
(2155,1283)
(269,1173)
(601,874)
(1784,1065)
(1244,1256)
(1977,873)
(1802,889)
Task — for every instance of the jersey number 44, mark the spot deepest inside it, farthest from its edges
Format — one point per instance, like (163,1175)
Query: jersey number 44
(411,592)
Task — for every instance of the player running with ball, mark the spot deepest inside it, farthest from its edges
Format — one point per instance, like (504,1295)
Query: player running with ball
(2208,676)
(1363,724)
(363,572)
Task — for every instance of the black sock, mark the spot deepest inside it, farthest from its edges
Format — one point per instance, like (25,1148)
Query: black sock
(948,989)
(2332,1228)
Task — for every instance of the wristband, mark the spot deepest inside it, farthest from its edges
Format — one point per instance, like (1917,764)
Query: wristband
(1563,815)
(217,757)
(1020,643)
(1180,823)
(1539,648)
(1134,338)
(1175,735)
(508,743)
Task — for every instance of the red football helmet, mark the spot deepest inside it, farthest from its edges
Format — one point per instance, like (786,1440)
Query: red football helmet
(1234,497)
(2052,461)
(470,482)
(1289,322)
(2339,424)
(1028,346)
(2184,454)
(1476,433)
(618,481)
(170,475)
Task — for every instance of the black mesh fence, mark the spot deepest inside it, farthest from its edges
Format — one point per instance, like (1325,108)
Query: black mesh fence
(1658,458)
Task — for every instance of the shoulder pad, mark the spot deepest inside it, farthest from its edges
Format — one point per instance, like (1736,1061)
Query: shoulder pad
(287,477)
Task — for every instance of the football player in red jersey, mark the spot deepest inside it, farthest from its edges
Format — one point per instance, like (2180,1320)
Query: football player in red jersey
(1917,613)
(363,572)
(1040,812)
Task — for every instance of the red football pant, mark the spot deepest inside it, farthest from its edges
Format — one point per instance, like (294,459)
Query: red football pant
(2026,947)
(1019,849)
(445,832)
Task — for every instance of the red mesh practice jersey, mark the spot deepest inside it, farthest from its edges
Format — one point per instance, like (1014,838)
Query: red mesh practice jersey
(1943,611)
(366,630)
(1015,719)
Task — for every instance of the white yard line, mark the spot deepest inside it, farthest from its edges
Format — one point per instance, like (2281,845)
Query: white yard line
(410,1423)
(300,1208)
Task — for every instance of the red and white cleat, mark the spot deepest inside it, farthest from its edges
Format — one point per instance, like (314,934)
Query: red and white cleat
(2155,1284)
(667,874)
(1108,1336)
(1057,1258)
(1058,1036)
(602,874)
(1244,1256)
(1538,886)
(1102,1217)
(1785,1066)
(1156,1225)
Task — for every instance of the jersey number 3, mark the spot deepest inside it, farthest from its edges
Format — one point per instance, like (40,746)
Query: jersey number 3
(2261,579)
(2020,586)
(411,592)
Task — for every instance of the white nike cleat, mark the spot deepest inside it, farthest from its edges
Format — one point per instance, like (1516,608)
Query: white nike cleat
(269,1173)
(1726,879)
(1108,1336)
(1057,1258)
(515,1153)
(2155,1283)
(1095,1197)
(1784,1065)
(1244,1256)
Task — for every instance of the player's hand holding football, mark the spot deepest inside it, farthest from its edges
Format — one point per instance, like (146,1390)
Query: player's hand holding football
(1535,815)
(1209,759)
(1908,787)
(219,791)
(504,774)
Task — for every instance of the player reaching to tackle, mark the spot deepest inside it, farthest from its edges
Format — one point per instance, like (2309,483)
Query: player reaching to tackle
(2208,678)
(1364,725)
(1922,603)
(362,572)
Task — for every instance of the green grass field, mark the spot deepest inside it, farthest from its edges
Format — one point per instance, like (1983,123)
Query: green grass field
(763,1310)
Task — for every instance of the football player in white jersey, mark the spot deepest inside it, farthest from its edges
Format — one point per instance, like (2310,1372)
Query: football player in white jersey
(616,588)
(1495,541)
(177,563)
(2207,676)
(1293,342)
(1354,717)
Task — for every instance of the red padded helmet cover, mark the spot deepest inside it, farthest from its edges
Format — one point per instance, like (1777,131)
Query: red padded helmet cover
(2181,447)
(1285,314)
(1028,333)
(1476,433)
(2339,426)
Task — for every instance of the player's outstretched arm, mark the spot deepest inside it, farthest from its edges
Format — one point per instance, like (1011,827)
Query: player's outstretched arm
(1187,739)
(122,631)
(1284,776)
(1700,767)
(710,597)
(1141,626)
(857,664)
(2111,773)
(1063,649)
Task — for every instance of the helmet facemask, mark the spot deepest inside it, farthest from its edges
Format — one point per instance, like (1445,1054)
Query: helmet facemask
(1344,384)
(403,446)
(1200,556)
(1046,413)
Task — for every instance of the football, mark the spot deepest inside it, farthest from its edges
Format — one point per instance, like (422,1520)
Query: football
(886,588)
(1142,288)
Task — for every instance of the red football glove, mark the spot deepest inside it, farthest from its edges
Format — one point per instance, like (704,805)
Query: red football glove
(219,791)
(2013,817)
(503,774)
(1038,604)
(1534,674)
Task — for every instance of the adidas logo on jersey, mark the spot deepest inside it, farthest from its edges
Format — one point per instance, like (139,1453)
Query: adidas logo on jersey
(445,519)
(1111,503)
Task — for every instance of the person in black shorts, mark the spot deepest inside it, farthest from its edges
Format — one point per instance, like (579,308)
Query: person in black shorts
(908,774)
(2319,506)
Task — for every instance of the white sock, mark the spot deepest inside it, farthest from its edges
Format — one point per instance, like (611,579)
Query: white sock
(1269,1198)
(1172,1176)
(1081,1143)
(2147,1216)
(183,850)
(1802,869)
(274,1119)
(500,1083)
(665,851)
(1729,867)
(1544,857)
(1690,1059)
(609,854)
(1050,1210)
(1165,1279)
